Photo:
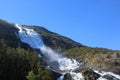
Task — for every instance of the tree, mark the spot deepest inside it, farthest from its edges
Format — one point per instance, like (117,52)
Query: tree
(31,76)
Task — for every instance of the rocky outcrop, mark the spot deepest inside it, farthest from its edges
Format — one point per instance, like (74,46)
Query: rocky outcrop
(90,75)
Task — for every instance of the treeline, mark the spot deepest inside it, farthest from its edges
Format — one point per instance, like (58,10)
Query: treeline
(21,64)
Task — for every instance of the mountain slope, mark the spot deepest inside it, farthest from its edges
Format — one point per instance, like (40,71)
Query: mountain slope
(7,32)
(55,40)
(95,58)
(17,60)
(51,39)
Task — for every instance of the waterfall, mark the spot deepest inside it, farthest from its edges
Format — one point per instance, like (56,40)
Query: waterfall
(55,61)
(30,37)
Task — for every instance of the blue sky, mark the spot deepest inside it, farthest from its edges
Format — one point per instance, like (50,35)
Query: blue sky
(94,23)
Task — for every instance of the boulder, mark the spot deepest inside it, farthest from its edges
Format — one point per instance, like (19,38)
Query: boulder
(90,75)
(67,77)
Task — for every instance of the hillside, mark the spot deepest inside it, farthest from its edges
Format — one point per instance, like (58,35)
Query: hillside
(55,40)
(97,58)
(20,56)
(51,39)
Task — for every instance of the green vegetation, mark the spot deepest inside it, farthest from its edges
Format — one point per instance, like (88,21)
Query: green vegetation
(17,63)
(17,60)
(31,76)
(54,40)
(97,58)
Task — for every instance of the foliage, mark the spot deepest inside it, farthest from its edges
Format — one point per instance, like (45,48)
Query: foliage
(31,76)
(54,40)
(17,63)
(96,58)
(18,60)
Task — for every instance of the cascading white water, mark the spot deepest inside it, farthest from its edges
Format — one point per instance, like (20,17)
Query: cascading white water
(30,37)
(103,73)
(64,65)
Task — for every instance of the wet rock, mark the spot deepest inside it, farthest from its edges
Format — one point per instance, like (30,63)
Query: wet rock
(56,75)
(110,77)
(67,77)
(90,75)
